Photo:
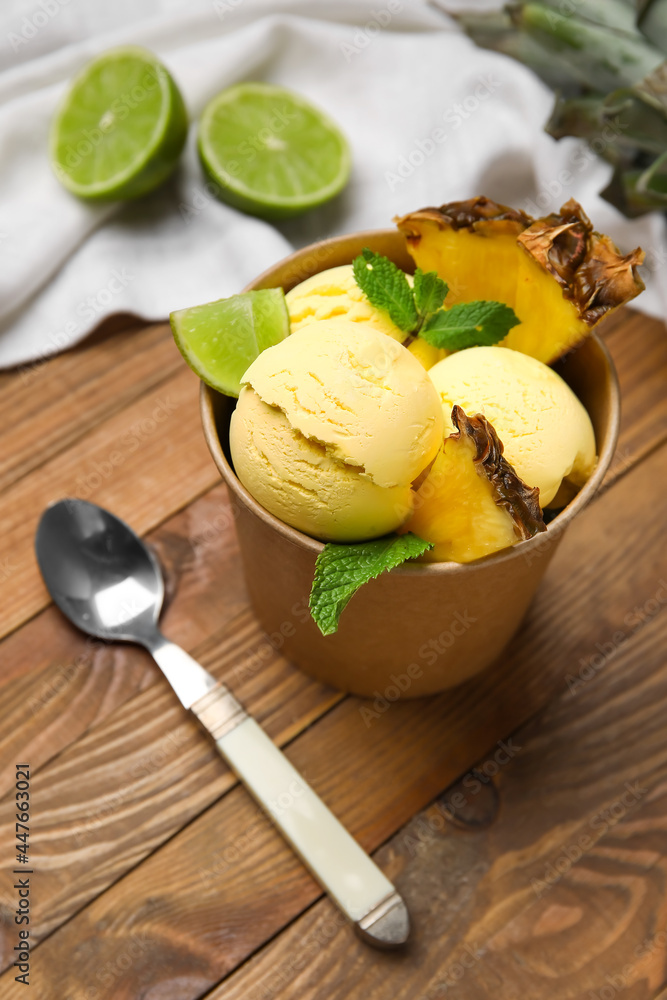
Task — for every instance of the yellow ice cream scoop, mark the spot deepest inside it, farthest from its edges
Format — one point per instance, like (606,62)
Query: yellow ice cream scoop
(335,293)
(331,431)
(546,432)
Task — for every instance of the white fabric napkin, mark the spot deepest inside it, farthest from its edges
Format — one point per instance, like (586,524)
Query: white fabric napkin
(429,116)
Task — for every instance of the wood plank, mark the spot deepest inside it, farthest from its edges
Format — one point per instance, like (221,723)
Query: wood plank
(52,651)
(144,463)
(137,792)
(643,377)
(611,560)
(638,346)
(297,727)
(46,406)
(56,683)
(506,902)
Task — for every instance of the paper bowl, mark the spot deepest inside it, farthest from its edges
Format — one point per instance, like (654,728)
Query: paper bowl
(421,628)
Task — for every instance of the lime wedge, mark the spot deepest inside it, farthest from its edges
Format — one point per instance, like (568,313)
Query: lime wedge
(121,127)
(270,152)
(219,340)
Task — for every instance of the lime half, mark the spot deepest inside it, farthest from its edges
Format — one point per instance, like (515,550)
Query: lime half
(219,340)
(270,152)
(121,128)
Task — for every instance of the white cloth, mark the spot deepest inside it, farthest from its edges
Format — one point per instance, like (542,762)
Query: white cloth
(429,116)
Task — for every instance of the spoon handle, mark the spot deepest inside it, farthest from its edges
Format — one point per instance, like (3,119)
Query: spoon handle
(340,865)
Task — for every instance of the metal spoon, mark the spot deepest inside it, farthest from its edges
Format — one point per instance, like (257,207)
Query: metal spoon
(109,584)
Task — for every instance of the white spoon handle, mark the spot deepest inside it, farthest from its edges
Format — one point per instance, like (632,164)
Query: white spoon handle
(334,857)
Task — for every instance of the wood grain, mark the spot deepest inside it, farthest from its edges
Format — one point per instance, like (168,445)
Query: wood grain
(175,450)
(46,406)
(56,655)
(512,905)
(375,777)
(144,463)
(638,346)
(57,683)
(123,712)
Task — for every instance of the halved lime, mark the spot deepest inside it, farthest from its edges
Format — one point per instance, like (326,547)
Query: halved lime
(219,340)
(270,152)
(121,127)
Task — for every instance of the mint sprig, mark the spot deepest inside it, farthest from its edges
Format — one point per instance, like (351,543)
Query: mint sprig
(341,569)
(386,287)
(430,292)
(419,310)
(469,324)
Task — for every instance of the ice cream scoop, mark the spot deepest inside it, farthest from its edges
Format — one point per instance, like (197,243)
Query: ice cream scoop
(546,432)
(335,293)
(331,431)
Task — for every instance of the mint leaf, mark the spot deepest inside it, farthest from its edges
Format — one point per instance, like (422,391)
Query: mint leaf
(469,324)
(430,292)
(386,287)
(341,569)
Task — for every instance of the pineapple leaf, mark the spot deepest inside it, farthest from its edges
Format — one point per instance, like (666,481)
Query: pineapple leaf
(430,292)
(386,287)
(341,569)
(469,324)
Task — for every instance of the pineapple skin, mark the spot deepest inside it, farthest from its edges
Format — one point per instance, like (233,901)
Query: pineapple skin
(558,275)
(472,503)
(454,508)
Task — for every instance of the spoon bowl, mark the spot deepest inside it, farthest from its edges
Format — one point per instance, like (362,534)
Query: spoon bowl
(99,573)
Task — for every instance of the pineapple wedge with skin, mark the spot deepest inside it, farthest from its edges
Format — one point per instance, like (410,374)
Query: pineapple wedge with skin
(558,275)
(472,503)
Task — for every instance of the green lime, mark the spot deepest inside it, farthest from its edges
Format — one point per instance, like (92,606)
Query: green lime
(270,152)
(121,127)
(219,340)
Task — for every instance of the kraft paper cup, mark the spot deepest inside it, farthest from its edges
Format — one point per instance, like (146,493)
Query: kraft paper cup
(421,628)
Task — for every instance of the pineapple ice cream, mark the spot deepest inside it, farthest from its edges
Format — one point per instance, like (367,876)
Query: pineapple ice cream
(547,434)
(335,293)
(332,429)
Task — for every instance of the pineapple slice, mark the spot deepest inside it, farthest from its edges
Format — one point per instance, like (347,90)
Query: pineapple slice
(557,273)
(472,503)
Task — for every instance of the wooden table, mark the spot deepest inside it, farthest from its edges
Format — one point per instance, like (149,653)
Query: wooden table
(523,816)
